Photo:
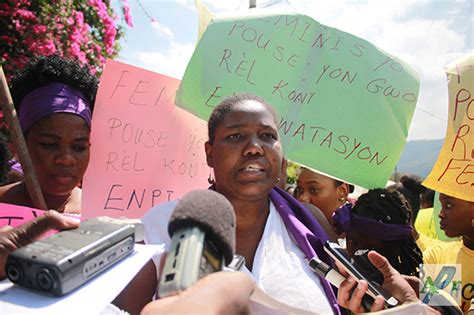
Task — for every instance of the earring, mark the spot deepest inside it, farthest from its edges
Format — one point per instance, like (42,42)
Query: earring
(210,179)
(342,199)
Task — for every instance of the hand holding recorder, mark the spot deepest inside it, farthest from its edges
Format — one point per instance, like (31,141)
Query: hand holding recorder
(14,238)
(394,283)
(356,271)
(62,262)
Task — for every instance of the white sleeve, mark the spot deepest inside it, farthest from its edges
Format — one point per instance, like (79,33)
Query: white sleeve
(155,224)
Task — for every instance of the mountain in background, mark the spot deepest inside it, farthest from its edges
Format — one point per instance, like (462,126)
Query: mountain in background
(419,157)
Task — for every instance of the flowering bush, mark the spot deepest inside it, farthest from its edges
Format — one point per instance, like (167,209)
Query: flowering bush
(81,29)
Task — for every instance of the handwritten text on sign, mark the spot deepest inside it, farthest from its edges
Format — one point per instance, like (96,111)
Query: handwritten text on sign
(453,173)
(14,215)
(144,150)
(345,105)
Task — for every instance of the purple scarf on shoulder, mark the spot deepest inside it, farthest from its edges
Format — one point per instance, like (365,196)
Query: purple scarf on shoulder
(307,232)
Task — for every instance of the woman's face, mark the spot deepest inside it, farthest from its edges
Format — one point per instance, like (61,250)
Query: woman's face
(456,216)
(321,191)
(59,149)
(246,154)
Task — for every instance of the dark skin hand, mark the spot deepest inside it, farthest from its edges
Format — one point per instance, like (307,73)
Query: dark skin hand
(218,293)
(394,283)
(14,238)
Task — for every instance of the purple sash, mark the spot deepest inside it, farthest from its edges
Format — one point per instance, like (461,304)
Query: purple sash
(307,232)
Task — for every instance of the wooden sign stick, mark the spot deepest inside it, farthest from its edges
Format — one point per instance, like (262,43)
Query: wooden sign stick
(19,144)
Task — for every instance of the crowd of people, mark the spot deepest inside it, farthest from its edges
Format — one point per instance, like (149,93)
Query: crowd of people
(276,232)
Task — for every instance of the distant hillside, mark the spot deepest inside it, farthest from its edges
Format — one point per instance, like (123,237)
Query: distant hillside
(419,157)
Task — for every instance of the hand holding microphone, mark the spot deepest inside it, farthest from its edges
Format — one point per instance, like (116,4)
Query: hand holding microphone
(352,294)
(218,293)
(202,231)
(394,282)
(336,279)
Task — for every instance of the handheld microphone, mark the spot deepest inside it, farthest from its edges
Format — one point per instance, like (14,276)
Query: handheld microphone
(202,231)
(335,278)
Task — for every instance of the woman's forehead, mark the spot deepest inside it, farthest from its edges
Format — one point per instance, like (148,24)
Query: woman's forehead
(62,119)
(308,174)
(250,110)
(250,106)
(64,123)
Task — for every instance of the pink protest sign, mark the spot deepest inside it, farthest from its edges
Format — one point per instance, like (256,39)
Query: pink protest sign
(14,215)
(145,150)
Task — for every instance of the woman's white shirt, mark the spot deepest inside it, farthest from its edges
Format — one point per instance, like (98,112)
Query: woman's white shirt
(279,267)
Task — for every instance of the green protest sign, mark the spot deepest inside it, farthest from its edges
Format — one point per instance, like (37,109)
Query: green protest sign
(345,105)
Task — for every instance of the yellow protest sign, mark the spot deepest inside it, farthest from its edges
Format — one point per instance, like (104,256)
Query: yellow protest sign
(453,173)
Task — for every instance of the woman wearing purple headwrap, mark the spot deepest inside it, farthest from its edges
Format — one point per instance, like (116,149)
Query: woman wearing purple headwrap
(54,98)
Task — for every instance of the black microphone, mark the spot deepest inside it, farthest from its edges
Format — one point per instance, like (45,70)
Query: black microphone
(202,231)
(335,278)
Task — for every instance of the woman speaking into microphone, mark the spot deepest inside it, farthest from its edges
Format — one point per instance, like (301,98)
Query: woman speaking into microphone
(274,232)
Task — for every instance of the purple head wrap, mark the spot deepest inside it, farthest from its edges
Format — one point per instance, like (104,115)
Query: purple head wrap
(15,166)
(53,98)
(346,220)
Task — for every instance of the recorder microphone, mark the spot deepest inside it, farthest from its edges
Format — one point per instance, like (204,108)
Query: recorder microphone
(335,278)
(64,261)
(202,231)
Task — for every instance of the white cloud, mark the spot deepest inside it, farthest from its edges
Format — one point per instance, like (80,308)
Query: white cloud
(215,6)
(171,62)
(162,30)
(188,4)
(223,5)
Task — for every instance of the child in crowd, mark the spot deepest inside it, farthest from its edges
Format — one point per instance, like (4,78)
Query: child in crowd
(457,219)
(411,188)
(381,220)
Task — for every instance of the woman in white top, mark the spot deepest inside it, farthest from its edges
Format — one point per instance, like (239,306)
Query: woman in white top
(245,152)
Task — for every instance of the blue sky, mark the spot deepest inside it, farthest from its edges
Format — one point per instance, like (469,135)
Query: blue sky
(427,34)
